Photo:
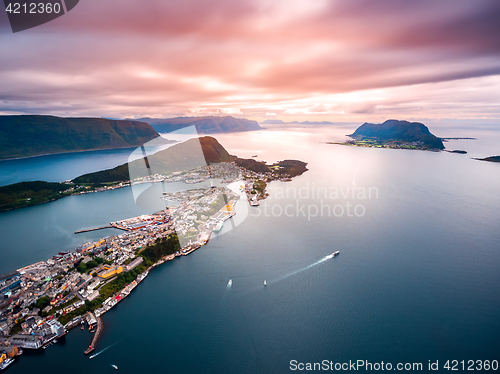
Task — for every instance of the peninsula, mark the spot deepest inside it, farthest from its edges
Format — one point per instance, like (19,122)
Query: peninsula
(394,134)
(34,135)
(165,165)
(44,300)
(490,159)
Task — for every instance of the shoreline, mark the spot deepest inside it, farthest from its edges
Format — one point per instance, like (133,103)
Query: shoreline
(95,276)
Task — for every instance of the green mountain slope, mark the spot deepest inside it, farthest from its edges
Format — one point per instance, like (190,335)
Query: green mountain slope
(204,125)
(32,135)
(394,130)
(184,156)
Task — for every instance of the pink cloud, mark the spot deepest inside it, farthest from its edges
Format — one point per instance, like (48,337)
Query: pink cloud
(254,57)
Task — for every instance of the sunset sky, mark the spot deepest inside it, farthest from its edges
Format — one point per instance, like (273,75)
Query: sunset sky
(282,59)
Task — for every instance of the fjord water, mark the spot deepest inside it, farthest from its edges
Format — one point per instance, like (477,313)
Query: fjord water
(416,280)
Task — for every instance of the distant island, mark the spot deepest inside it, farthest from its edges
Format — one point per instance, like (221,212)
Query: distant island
(34,135)
(280,122)
(204,125)
(192,154)
(395,134)
(490,159)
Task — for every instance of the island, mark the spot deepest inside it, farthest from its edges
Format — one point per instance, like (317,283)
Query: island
(34,135)
(490,159)
(43,301)
(204,125)
(280,122)
(394,134)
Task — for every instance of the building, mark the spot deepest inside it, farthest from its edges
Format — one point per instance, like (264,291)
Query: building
(94,295)
(10,351)
(109,272)
(26,341)
(56,327)
(134,264)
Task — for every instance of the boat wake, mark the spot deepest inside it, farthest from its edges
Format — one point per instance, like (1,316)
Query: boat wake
(326,258)
(108,347)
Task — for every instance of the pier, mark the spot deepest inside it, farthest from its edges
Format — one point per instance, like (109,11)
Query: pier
(96,336)
(101,228)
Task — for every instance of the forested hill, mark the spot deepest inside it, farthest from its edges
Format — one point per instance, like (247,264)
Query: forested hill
(394,130)
(32,135)
(183,156)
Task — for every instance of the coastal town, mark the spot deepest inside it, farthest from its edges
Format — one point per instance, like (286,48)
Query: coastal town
(374,143)
(41,302)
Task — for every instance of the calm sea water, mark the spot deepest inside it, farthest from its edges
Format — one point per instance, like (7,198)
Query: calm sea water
(416,280)
(63,166)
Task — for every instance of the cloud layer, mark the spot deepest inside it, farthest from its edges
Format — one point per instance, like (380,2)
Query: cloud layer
(328,59)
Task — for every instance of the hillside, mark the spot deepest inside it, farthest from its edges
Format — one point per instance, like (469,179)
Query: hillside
(204,125)
(32,193)
(32,135)
(184,156)
(399,131)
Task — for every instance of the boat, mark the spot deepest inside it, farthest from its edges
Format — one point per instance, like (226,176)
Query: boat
(230,283)
(219,225)
(265,283)
(6,363)
(114,366)
(335,253)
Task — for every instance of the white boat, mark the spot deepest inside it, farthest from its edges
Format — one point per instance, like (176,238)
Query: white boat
(230,283)
(6,363)
(335,253)
(116,367)
(265,283)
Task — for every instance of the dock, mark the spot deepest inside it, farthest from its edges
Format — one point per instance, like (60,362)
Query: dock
(96,336)
(100,228)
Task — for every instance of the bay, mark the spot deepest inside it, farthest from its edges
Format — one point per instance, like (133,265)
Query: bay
(416,279)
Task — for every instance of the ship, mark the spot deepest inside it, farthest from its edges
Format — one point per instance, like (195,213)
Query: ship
(115,367)
(219,225)
(335,253)
(265,283)
(230,283)
(6,363)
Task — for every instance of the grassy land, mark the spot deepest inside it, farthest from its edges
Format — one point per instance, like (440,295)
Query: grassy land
(32,193)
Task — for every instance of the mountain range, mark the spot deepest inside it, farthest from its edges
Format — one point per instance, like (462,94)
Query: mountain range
(280,122)
(204,125)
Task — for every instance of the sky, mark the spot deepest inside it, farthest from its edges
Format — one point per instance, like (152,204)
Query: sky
(349,60)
